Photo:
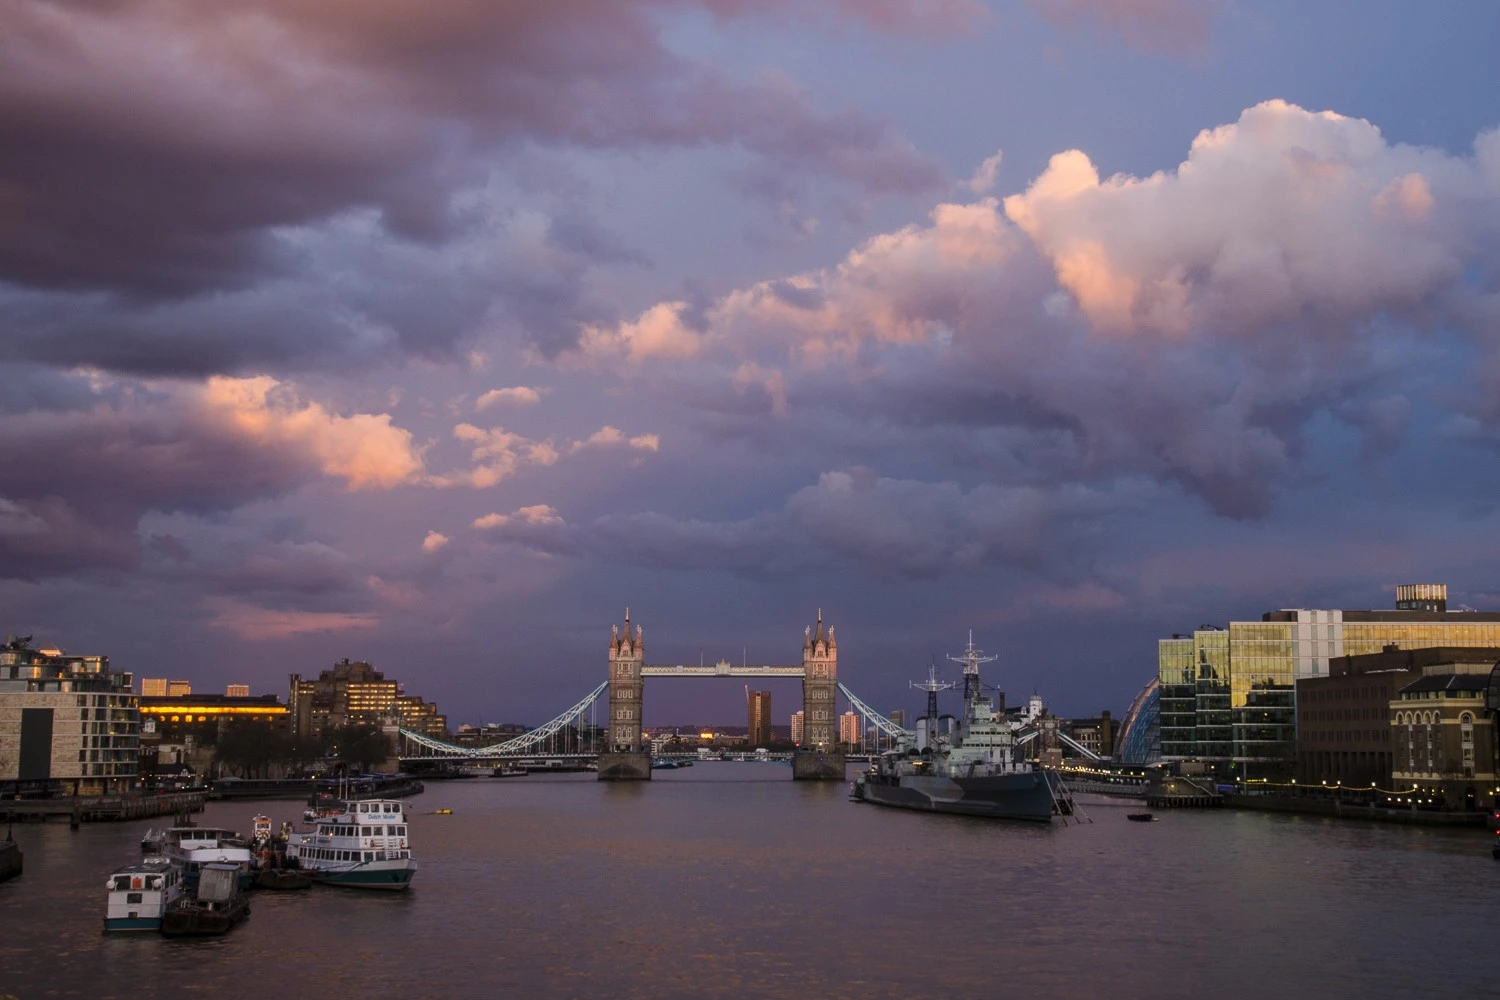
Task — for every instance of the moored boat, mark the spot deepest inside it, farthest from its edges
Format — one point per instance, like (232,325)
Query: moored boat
(509,771)
(363,847)
(140,893)
(192,847)
(10,858)
(976,771)
(214,907)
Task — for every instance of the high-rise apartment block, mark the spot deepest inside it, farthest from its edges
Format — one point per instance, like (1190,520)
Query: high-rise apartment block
(153,687)
(1228,694)
(758,724)
(898,717)
(237,691)
(797,728)
(67,721)
(179,689)
(849,734)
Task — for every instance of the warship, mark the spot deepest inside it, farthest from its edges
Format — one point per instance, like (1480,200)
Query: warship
(977,770)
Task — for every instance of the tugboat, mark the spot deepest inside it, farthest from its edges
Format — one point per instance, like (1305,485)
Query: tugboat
(978,771)
(271,871)
(365,846)
(140,893)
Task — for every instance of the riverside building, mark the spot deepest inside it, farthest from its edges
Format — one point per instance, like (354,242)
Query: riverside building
(758,723)
(1228,694)
(355,693)
(65,721)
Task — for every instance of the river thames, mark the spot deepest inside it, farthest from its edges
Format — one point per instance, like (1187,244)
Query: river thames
(730,880)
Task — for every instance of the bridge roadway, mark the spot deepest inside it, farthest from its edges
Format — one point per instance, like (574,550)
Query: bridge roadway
(721,669)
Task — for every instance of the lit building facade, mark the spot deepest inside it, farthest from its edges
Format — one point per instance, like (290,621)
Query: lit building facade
(1445,738)
(67,721)
(1228,695)
(849,733)
(205,717)
(797,728)
(237,691)
(758,723)
(153,687)
(355,693)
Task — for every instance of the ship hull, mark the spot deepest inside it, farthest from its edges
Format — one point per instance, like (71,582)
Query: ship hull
(373,876)
(1024,796)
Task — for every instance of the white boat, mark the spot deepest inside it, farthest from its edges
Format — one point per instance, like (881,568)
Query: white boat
(192,847)
(140,892)
(363,847)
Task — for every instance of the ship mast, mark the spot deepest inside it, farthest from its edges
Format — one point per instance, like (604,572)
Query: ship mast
(971,660)
(932,686)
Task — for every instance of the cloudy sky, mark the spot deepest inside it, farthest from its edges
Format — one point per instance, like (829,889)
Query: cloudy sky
(436,334)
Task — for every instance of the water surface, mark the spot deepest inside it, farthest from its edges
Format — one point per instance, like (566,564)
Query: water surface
(730,880)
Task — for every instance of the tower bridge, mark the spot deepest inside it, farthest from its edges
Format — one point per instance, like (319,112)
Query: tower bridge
(625,757)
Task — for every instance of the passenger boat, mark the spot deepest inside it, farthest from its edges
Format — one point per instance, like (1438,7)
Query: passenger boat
(215,906)
(192,847)
(977,771)
(363,847)
(140,893)
(510,771)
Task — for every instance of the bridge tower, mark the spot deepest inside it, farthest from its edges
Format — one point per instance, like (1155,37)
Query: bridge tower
(626,758)
(820,758)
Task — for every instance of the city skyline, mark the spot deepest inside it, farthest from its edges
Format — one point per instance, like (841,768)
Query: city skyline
(1077,323)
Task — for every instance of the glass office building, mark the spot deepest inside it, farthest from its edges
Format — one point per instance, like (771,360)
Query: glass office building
(1228,695)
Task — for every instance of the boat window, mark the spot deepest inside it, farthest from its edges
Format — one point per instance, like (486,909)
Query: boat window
(132,897)
(122,883)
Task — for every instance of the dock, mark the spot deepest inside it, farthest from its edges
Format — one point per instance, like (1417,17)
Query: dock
(101,809)
(1179,792)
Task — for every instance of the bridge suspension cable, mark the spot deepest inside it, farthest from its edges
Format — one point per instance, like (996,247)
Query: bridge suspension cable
(1064,737)
(520,744)
(885,725)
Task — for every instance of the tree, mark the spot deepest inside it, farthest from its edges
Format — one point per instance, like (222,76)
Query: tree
(361,748)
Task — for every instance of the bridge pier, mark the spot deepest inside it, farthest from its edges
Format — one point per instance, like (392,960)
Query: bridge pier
(625,765)
(818,765)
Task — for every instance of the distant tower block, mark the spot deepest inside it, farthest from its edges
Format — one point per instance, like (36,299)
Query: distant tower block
(819,758)
(627,758)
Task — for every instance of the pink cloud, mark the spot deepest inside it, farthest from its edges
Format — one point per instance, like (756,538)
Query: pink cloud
(256,624)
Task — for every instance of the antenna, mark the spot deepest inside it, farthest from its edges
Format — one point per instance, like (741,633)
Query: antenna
(932,686)
(971,660)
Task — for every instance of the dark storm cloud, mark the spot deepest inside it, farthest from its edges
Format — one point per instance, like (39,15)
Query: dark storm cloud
(883,526)
(170,151)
